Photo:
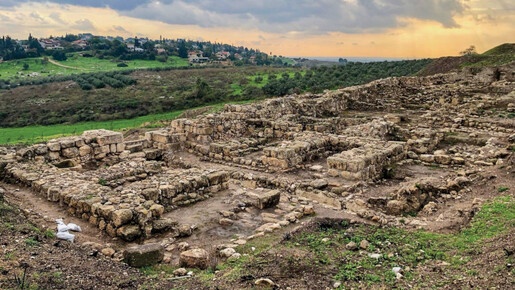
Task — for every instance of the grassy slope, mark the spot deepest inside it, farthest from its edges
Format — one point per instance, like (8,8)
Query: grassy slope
(11,69)
(499,55)
(36,134)
(502,54)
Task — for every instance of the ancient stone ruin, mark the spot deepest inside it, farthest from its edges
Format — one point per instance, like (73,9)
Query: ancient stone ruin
(272,163)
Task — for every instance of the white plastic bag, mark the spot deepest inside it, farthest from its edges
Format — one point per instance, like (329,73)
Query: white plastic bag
(62,230)
(65,236)
(61,227)
(74,227)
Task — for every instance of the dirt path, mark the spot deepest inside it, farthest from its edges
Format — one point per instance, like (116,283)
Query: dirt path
(65,66)
(44,214)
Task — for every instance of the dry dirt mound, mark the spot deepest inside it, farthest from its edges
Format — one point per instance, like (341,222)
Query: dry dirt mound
(442,65)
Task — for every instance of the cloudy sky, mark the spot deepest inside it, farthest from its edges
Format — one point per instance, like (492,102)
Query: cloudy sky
(383,28)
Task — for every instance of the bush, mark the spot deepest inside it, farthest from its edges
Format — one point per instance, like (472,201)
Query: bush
(59,55)
(86,86)
(162,58)
(98,84)
(122,64)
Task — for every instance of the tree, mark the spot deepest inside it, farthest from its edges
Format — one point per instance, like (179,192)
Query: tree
(59,55)
(469,51)
(136,42)
(71,37)
(149,46)
(183,51)
(25,66)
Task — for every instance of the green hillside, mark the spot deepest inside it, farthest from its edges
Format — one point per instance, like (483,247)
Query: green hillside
(499,55)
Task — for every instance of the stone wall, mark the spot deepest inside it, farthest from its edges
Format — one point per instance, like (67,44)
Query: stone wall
(366,162)
(129,212)
(91,145)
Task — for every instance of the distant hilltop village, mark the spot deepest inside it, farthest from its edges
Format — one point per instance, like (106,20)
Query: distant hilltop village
(89,45)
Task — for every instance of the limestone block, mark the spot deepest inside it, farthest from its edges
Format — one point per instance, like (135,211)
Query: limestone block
(145,255)
(54,146)
(195,258)
(121,217)
(129,232)
(266,200)
(71,152)
(84,150)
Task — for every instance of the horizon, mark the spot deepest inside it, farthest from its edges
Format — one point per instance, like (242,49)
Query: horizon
(390,29)
(207,40)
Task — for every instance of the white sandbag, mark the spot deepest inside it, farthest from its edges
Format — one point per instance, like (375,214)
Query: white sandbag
(74,227)
(62,228)
(65,236)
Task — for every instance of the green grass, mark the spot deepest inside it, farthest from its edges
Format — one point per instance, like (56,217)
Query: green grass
(502,189)
(49,234)
(31,242)
(94,64)
(14,69)
(499,55)
(36,134)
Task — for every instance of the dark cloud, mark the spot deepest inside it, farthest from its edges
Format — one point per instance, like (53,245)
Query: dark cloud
(121,5)
(306,16)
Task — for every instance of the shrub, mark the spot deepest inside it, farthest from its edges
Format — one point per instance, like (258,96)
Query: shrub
(502,189)
(162,58)
(122,64)
(98,84)
(86,86)
(59,55)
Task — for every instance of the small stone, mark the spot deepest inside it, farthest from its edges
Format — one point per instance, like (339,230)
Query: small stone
(375,256)
(264,282)
(364,244)
(183,246)
(240,242)
(319,183)
(337,284)
(108,252)
(184,230)
(308,210)
(195,258)
(351,246)
(225,222)
(234,257)
(226,253)
(180,272)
